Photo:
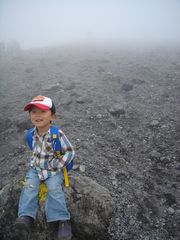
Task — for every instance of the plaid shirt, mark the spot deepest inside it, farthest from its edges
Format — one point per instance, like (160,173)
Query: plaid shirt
(43,159)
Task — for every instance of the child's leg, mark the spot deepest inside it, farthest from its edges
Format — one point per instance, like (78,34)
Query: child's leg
(29,195)
(55,204)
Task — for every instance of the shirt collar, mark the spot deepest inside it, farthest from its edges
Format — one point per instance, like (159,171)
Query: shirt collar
(43,135)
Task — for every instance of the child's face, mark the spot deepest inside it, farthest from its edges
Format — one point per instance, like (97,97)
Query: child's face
(41,119)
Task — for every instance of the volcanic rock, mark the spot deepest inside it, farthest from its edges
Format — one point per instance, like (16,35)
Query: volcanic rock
(91,207)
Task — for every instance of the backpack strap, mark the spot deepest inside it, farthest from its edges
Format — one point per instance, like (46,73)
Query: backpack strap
(70,165)
(29,137)
(55,140)
(56,145)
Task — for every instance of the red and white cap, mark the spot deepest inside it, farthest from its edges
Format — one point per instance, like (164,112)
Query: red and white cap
(41,102)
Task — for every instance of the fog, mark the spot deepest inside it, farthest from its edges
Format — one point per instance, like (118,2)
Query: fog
(50,22)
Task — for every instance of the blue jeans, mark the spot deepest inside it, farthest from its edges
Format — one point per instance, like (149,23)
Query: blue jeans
(55,204)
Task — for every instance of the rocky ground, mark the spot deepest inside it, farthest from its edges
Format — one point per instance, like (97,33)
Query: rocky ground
(120,109)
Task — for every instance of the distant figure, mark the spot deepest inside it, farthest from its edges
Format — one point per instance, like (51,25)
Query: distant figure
(47,167)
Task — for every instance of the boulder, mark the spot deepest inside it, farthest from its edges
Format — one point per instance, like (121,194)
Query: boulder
(91,207)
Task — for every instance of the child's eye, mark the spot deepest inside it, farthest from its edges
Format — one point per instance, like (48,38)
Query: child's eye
(33,111)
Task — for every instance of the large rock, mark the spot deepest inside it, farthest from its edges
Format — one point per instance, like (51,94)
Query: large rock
(90,204)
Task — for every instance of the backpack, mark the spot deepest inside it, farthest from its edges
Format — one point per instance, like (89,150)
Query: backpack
(56,146)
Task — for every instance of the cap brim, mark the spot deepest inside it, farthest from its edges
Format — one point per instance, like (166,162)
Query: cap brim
(40,106)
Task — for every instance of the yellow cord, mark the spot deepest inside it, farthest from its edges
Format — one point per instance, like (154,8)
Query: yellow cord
(66,180)
(42,192)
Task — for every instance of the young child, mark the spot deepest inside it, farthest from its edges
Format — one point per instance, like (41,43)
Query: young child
(45,167)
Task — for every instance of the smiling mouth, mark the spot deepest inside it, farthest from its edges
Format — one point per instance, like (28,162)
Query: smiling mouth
(39,120)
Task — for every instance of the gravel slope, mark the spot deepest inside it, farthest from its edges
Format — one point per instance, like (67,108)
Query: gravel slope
(120,108)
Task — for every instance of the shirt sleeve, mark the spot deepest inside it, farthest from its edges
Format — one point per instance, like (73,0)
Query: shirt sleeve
(67,150)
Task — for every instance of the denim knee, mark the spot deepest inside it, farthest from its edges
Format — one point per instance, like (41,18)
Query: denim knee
(55,182)
(55,204)
(29,195)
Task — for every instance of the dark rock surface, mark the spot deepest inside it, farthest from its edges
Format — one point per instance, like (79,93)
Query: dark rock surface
(91,207)
(134,153)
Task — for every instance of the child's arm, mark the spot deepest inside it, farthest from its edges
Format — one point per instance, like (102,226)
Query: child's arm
(67,150)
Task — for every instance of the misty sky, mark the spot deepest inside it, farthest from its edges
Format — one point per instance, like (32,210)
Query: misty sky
(46,22)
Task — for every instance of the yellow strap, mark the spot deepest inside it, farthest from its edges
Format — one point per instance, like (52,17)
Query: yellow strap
(66,180)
